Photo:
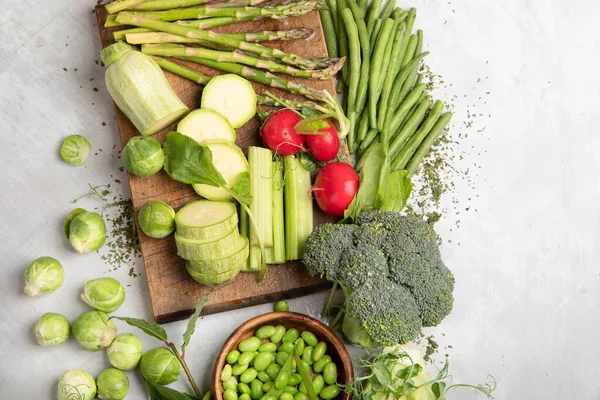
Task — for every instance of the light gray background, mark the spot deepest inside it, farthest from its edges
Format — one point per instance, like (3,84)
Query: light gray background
(525,254)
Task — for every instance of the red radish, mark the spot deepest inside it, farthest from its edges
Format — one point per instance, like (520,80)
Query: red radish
(335,188)
(279,134)
(324,147)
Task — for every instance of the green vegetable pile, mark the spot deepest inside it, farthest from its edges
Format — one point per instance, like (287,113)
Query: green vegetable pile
(390,269)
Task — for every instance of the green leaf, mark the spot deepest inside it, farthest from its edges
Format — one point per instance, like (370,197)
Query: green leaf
(312,125)
(149,328)
(382,373)
(409,372)
(191,326)
(399,187)
(191,396)
(187,161)
(241,189)
(158,392)
(306,161)
(262,116)
(207,396)
(438,389)
(310,392)
(308,112)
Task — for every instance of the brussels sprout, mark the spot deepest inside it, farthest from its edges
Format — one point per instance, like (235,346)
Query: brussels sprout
(160,366)
(76,384)
(157,219)
(75,149)
(143,156)
(67,224)
(87,232)
(112,384)
(103,294)
(125,351)
(52,329)
(93,330)
(43,276)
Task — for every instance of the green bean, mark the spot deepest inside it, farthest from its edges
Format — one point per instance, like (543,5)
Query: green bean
(429,140)
(343,49)
(362,5)
(248,375)
(286,396)
(287,347)
(294,379)
(264,377)
(374,33)
(332,5)
(319,351)
(243,388)
(250,344)
(373,14)
(290,336)
(365,58)
(267,347)
(273,370)
(319,365)
(354,69)
(263,360)
(330,373)
(244,396)
(238,369)
(230,384)
(309,338)
(364,145)
(409,127)
(419,48)
(256,390)
(397,88)
(318,383)
(232,356)
(363,127)
(226,373)
(230,395)
(300,396)
(265,332)
(410,49)
(330,392)
(329,32)
(375,73)
(278,335)
(410,19)
(388,9)
(413,143)
(402,111)
(282,306)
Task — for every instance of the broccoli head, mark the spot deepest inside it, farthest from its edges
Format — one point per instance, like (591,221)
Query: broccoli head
(391,270)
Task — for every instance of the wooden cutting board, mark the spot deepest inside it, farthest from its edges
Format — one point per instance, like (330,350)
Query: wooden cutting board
(173,293)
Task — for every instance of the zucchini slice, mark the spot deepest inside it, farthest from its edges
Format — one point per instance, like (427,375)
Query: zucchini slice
(213,279)
(231,261)
(203,124)
(204,219)
(231,96)
(206,249)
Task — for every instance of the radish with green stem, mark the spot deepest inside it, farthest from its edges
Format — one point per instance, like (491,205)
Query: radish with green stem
(335,188)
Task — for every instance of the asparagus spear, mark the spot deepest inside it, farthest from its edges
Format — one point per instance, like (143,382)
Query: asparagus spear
(265,52)
(253,37)
(160,5)
(236,57)
(181,71)
(119,5)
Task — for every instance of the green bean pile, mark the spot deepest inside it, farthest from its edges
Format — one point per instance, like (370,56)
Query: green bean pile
(386,101)
(282,364)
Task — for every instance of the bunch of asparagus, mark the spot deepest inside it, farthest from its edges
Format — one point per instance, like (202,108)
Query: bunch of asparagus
(385,99)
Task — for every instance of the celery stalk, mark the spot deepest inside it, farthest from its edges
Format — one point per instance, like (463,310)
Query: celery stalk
(245,231)
(276,254)
(298,208)
(261,176)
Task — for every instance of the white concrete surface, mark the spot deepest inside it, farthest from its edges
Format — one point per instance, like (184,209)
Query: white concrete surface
(525,254)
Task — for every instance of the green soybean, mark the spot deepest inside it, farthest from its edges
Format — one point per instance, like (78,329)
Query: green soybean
(262,361)
(307,355)
(226,373)
(256,389)
(273,370)
(230,395)
(232,356)
(248,375)
(309,338)
(238,369)
(250,344)
(244,396)
(299,345)
(245,358)
(319,351)
(282,380)
(286,396)
(306,366)
(290,336)
(330,373)
(267,347)
(269,397)
(300,396)
(320,365)
(286,347)
(278,335)
(318,383)
(243,388)
(294,379)
(281,358)
(282,306)
(263,377)
(330,392)
(231,384)
(265,332)
(302,388)
(291,390)
(267,386)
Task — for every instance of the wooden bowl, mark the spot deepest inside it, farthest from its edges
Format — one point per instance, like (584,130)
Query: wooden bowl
(335,348)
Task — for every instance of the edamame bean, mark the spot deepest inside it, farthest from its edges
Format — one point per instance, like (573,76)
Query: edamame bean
(286,396)
(230,395)
(243,388)
(319,365)
(299,345)
(226,373)
(307,355)
(250,344)
(267,386)
(267,347)
(291,390)
(278,335)
(238,369)
(319,351)
(232,356)
(309,338)
(330,392)
(273,370)
(265,332)
(294,379)
(256,389)
(330,373)
(306,366)
(300,396)
(281,358)
(282,306)
(248,375)
(263,377)
(318,383)
(290,336)
(245,358)
(231,384)
(302,388)
(269,397)
(282,380)
(286,347)
(244,396)
(263,360)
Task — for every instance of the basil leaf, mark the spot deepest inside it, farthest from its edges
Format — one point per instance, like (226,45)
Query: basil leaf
(191,326)
(157,392)
(187,161)
(398,191)
(149,328)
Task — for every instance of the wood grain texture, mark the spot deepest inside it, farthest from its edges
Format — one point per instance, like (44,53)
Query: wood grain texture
(173,293)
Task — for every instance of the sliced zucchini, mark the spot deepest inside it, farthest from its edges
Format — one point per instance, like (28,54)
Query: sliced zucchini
(203,219)
(231,96)
(214,279)
(203,124)
(206,249)
(237,256)
(230,162)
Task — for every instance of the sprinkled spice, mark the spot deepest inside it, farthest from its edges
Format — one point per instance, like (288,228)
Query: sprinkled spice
(431,348)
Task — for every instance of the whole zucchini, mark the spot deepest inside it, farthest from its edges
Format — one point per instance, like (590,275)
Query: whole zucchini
(140,89)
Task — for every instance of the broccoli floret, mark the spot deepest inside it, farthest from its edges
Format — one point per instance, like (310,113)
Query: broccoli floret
(433,294)
(360,265)
(324,247)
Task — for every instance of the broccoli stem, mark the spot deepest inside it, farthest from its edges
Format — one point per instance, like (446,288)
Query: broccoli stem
(327,306)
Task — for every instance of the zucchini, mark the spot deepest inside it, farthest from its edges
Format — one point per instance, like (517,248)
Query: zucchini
(206,249)
(231,96)
(232,260)
(139,88)
(202,125)
(230,162)
(213,279)
(203,219)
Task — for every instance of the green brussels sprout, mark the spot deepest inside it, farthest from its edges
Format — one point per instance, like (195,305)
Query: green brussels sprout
(143,156)
(52,329)
(76,384)
(67,224)
(103,294)
(87,232)
(125,351)
(112,384)
(75,149)
(157,219)
(94,331)
(43,276)
(160,366)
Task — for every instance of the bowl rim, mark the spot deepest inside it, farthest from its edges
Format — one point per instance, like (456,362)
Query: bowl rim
(262,319)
